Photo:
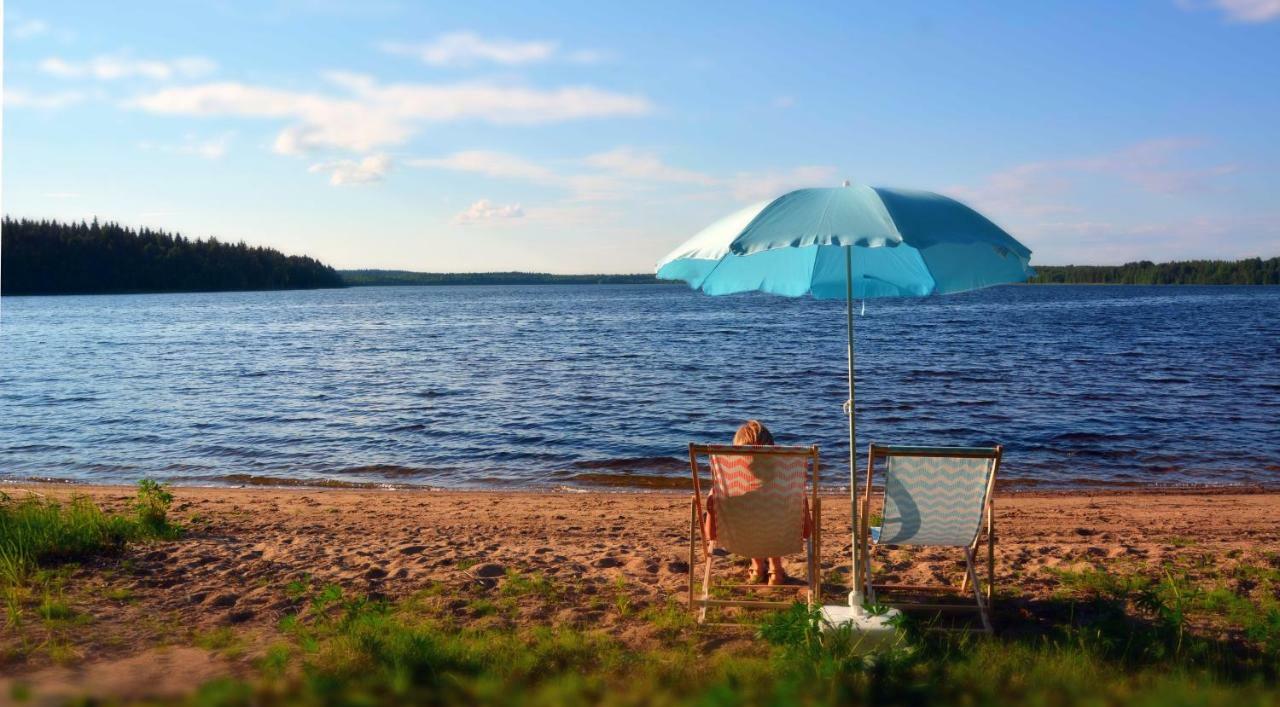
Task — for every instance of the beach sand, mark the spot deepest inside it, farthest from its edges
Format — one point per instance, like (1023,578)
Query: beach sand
(243,546)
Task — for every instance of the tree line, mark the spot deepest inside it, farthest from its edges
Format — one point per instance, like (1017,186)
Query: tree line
(405,277)
(49,257)
(1250,271)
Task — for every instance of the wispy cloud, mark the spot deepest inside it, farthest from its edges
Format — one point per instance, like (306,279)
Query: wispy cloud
(21,98)
(113,67)
(1246,11)
(622,172)
(754,186)
(27,28)
(213,148)
(1079,209)
(468,48)
(370,115)
(1040,188)
(345,172)
(483,210)
(628,162)
(490,163)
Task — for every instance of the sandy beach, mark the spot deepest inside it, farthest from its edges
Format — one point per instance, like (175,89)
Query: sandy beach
(148,607)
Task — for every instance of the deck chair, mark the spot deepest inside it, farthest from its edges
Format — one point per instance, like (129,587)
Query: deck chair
(766,505)
(934,496)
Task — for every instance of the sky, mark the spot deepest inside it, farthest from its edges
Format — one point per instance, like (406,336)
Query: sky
(593,137)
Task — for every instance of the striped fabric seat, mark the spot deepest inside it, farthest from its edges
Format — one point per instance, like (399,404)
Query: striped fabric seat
(933,500)
(759,503)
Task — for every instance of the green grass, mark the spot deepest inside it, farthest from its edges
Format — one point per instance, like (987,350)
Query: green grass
(36,533)
(1109,640)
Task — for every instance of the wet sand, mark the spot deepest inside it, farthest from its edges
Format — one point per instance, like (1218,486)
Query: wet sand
(243,546)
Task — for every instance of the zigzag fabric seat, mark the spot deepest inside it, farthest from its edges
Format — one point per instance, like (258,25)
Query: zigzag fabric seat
(759,503)
(766,505)
(933,501)
(934,496)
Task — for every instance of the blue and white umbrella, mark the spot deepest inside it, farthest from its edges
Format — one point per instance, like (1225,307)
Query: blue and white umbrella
(851,242)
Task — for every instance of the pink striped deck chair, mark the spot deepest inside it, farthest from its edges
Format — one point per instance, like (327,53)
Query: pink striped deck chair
(766,505)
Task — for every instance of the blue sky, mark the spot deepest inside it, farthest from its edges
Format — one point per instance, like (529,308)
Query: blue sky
(587,137)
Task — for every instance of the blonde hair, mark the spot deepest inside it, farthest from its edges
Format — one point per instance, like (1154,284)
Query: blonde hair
(753,432)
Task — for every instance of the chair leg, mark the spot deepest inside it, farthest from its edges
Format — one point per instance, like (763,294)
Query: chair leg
(693,523)
(977,591)
(706,588)
(869,590)
(991,565)
(815,586)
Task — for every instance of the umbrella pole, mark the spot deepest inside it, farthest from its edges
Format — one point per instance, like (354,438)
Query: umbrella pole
(855,596)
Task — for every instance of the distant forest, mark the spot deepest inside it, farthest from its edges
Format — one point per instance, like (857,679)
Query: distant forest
(1251,271)
(48,257)
(404,277)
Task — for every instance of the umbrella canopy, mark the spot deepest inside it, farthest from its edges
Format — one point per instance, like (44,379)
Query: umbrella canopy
(850,242)
(905,244)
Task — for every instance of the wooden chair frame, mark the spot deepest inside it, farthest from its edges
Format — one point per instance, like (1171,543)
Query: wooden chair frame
(697,532)
(983,598)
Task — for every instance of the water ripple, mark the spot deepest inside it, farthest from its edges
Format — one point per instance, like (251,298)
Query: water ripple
(602,385)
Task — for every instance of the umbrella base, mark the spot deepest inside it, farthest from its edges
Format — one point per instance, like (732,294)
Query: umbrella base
(875,631)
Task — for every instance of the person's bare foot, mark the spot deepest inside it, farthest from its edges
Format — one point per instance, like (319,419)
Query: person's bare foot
(777,575)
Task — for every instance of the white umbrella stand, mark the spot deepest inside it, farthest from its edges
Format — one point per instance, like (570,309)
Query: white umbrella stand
(876,629)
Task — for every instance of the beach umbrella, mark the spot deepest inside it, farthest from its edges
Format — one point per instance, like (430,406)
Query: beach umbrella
(850,242)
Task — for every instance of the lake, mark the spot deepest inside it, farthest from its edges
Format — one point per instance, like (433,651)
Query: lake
(577,386)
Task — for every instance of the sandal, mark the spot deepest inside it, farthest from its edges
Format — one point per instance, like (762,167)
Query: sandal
(777,579)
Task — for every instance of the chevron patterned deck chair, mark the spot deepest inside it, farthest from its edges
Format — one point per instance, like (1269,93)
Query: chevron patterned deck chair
(761,511)
(934,496)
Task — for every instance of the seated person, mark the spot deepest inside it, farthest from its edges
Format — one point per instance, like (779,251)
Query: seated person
(753,432)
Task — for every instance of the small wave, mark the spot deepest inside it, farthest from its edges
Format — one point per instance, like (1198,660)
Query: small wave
(434,393)
(1090,437)
(653,463)
(624,480)
(258,480)
(389,470)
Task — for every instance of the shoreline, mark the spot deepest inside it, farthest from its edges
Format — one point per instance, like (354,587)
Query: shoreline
(679,487)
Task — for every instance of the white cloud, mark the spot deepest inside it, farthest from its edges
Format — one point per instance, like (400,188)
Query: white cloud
(26,29)
(483,210)
(113,67)
(467,48)
(622,172)
(491,164)
(21,98)
(213,148)
(627,162)
(1250,11)
(588,56)
(373,115)
(342,172)
(1036,189)
(754,186)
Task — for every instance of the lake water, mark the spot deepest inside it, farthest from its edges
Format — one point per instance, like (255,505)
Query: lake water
(585,385)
